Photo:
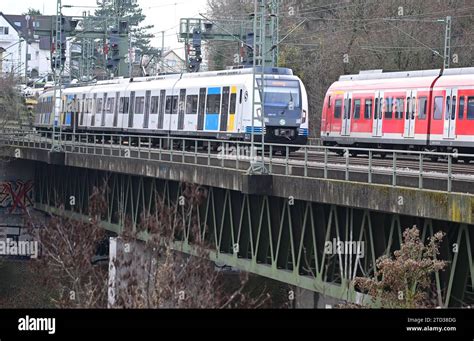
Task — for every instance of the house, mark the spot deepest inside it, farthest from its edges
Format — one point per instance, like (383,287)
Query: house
(170,62)
(39,48)
(15,32)
(13,45)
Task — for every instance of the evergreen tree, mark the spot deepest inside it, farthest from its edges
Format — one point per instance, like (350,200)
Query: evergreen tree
(129,10)
(32,12)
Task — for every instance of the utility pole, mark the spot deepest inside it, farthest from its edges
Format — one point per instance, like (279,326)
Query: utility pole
(57,72)
(257,165)
(130,65)
(27,17)
(275,30)
(447,43)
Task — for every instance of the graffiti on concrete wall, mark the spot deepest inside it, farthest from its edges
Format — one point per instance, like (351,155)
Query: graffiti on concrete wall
(16,196)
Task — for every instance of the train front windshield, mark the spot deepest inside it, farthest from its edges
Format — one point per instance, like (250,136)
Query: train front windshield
(282,94)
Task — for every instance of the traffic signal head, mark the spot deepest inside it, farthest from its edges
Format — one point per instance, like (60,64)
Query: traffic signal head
(114,49)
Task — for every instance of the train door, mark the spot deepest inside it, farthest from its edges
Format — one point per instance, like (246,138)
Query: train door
(225,109)
(451,113)
(146,119)
(131,109)
(181,109)
(377,130)
(202,109)
(347,118)
(410,115)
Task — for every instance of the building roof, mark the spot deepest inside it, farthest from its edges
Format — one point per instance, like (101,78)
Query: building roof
(26,29)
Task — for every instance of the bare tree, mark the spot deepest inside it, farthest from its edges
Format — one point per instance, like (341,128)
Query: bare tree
(156,276)
(11,102)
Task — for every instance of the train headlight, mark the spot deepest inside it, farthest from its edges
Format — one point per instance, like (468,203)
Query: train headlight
(304,118)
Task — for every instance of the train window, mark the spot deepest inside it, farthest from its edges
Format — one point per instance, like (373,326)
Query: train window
(422,107)
(213,104)
(192,105)
(389,108)
(357,106)
(470,108)
(368,109)
(233,103)
(110,105)
(448,107)
(168,105)
(338,109)
(174,110)
(400,108)
(462,105)
(454,107)
(98,106)
(139,105)
(124,103)
(154,104)
(240,96)
(438,108)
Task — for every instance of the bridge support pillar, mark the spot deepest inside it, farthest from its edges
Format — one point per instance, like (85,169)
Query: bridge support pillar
(131,264)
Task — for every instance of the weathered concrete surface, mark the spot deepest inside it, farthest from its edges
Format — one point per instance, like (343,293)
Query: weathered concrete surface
(435,205)
(453,207)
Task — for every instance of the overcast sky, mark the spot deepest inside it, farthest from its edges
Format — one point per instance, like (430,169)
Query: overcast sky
(163,14)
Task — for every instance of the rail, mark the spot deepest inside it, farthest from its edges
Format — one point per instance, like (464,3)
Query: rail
(422,170)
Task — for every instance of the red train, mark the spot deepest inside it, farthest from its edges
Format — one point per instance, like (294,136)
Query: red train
(421,110)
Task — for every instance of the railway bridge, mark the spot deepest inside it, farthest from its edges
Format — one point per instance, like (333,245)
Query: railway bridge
(279,224)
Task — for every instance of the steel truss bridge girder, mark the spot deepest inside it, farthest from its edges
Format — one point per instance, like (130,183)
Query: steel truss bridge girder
(265,235)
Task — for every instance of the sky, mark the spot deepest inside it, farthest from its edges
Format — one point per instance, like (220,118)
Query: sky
(163,14)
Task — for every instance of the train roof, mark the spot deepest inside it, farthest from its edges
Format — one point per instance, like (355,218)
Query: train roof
(381,75)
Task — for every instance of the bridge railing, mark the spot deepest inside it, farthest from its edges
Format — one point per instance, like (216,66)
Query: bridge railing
(422,170)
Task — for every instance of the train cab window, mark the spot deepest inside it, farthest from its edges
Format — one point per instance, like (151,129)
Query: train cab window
(438,108)
(154,104)
(368,109)
(139,105)
(470,108)
(192,105)
(388,108)
(462,106)
(338,109)
(422,108)
(357,106)
(400,108)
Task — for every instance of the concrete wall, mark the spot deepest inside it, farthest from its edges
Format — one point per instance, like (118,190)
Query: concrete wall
(452,207)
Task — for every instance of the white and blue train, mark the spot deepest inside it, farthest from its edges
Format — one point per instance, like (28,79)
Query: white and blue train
(211,105)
